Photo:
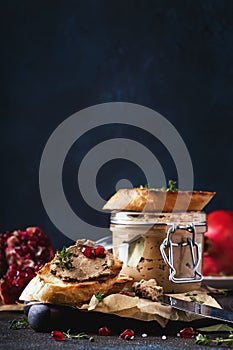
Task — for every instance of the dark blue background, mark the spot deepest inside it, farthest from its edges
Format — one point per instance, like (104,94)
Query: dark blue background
(58,57)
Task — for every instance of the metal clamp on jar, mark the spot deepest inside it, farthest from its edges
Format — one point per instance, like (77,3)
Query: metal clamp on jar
(195,253)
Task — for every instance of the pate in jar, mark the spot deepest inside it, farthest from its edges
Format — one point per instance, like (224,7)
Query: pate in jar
(165,246)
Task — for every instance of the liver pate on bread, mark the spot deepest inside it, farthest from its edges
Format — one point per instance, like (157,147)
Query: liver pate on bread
(83,268)
(77,282)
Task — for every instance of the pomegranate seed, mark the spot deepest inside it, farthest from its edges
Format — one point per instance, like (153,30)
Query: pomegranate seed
(32,242)
(104,331)
(13,266)
(99,252)
(25,248)
(187,333)
(88,252)
(20,274)
(27,256)
(127,334)
(29,270)
(19,249)
(22,283)
(11,273)
(57,335)
(15,282)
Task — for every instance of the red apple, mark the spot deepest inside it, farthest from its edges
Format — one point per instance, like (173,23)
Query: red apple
(218,247)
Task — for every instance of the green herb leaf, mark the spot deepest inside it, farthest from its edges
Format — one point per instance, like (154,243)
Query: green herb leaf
(17,324)
(206,340)
(99,296)
(172,186)
(144,187)
(219,341)
(81,335)
(64,257)
(202,339)
(193,298)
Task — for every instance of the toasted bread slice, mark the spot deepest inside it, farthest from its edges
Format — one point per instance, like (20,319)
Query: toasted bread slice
(47,288)
(137,199)
(76,284)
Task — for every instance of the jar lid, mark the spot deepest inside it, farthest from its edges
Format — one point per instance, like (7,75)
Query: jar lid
(155,218)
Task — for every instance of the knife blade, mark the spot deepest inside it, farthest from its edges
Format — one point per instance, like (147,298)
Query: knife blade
(197,308)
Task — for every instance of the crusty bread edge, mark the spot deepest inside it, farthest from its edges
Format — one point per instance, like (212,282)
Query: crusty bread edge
(137,199)
(48,288)
(70,293)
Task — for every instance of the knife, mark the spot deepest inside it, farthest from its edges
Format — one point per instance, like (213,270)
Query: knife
(197,308)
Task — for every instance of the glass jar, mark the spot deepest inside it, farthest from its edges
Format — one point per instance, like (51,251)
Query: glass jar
(164,246)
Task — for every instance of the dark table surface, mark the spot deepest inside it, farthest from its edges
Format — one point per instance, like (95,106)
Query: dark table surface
(30,339)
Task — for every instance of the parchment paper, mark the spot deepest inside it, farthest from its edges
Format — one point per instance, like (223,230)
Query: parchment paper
(147,310)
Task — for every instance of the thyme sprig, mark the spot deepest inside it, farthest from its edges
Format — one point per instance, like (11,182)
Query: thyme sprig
(203,339)
(145,187)
(22,322)
(99,296)
(81,335)
(193,298)
(64,257)
(171,187)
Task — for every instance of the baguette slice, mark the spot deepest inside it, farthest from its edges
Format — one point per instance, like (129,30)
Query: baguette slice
(137,199)
(49,287)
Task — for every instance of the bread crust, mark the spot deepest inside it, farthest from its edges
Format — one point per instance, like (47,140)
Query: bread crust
(147,200)
(47,288)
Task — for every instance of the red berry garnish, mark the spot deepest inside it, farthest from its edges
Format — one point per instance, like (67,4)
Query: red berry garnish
(188,333)
(87,251)
(128,334)
(96,252)
(104,331)
(99,252)
(57,335)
